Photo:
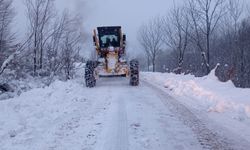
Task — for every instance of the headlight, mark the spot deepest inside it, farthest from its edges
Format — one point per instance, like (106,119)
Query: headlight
(122,60)
(101,60)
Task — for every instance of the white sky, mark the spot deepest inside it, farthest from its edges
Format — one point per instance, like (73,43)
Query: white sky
(129,14)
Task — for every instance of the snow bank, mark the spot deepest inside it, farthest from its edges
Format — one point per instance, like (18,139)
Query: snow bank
(60,116)
(206,93)
(20,85)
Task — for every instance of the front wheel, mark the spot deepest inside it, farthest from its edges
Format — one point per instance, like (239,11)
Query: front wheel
(134,73)
(90,74)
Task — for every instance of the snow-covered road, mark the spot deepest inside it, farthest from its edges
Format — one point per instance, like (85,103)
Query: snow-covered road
(111,116)
(138,120)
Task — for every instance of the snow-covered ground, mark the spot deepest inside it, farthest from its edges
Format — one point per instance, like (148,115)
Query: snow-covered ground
(19,86)
(113,116)
(165,112)
(62,116)
(222,102)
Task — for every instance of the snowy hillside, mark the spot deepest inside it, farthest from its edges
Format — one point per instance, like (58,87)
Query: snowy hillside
(55,117)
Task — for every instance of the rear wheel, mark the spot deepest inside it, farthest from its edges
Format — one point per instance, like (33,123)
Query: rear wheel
(90,74)
(134,73)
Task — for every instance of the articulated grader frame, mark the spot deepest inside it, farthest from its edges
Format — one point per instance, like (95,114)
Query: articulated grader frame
(110,44)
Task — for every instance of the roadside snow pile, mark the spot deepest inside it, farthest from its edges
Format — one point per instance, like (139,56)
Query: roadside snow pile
(206,93)
(19,82)
(19,86)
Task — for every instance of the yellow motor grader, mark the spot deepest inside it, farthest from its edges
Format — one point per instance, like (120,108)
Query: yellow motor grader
(110,44)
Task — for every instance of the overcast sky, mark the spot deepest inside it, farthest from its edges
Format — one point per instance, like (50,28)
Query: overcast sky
(129,14)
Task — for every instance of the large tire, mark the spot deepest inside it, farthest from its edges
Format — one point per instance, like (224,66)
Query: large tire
(134,73)
(90,74)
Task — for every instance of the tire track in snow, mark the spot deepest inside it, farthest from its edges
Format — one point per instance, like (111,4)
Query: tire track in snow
(116,133)
(207,138)
(121,117)
(122,133)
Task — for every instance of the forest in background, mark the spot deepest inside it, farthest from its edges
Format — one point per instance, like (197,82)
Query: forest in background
(52,44)
(197,37)
(190,39)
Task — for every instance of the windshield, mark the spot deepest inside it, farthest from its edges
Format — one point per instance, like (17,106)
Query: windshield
(109,40)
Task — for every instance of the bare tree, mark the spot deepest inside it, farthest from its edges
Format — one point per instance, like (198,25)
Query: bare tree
(248,10)
(243,71)
(39,13)
(6,36)
(175,33)
(229,45)
(71,44)
(205,16)
(235,10)
(64,45)
(150,37)
(18,50)
(54,45)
